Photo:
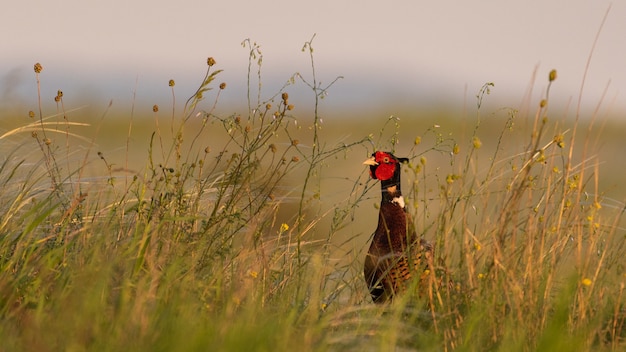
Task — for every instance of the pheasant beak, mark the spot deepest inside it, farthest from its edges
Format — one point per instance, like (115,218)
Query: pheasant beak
(371,162)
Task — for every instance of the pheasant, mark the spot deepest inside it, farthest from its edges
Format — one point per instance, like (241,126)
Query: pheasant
(396,254)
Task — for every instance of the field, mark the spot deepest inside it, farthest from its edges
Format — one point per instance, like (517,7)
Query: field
(193,229)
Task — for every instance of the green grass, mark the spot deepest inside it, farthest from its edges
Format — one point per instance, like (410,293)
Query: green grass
(248,231)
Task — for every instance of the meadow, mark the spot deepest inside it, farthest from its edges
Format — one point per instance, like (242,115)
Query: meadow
(193,229)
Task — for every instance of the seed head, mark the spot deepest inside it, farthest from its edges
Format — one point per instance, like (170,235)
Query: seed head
(38,68)
(456,149)
(295,159)
(476,142)
(558,139)
(285,97)
(223,85)
(273,147)
(210,61)
(268,106)
(290,107)
(155,108)
(171,83)
(31,114)
(543,103)
(57,99)
(207,150)
(452,177)
(552,75)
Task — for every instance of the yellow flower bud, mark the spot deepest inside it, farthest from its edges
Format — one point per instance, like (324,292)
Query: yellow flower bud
(552,75)
(476,142)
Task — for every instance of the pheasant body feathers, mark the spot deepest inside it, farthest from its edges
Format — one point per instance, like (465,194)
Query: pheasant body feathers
(396,255)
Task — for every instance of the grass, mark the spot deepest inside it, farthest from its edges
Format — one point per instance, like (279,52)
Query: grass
(247,231)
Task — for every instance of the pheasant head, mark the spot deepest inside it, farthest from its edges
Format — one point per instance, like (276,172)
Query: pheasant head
(386,167)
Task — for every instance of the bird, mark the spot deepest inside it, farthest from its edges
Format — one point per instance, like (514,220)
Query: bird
(396,254)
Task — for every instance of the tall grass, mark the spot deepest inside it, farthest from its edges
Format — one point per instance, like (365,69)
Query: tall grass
(225,238)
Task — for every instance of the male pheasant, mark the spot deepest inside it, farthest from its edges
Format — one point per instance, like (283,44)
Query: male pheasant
(396,254)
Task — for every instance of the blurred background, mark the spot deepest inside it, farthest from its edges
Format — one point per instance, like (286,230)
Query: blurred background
(399,54)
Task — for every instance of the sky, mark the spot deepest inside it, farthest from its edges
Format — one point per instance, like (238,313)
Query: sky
(412,53)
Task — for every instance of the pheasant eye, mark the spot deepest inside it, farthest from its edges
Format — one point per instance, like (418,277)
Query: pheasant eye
(386,160)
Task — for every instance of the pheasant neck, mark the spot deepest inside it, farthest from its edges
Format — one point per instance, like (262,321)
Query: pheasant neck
(391,193)
(391,189)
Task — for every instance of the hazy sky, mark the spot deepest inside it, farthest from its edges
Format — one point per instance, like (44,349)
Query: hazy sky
(405,51)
